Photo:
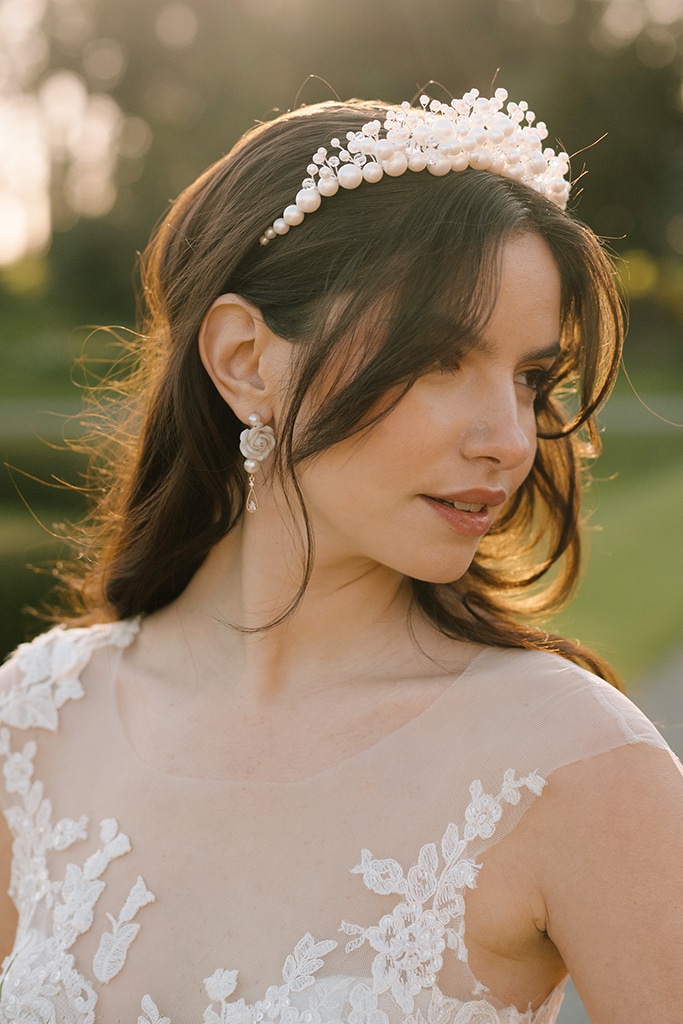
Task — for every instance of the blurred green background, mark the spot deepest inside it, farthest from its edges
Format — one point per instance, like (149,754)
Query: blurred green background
(108,108)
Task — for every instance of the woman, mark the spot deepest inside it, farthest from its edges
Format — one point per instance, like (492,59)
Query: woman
(307,763)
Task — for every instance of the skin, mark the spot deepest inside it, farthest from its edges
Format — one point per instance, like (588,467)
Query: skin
(605,902)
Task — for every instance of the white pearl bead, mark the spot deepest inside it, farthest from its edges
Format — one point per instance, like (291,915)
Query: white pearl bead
(397,166)
(270,234)
(417,162)
(293,215)
(459,161)
(350,176)
(308,200)
(328,186)
(537,164)
(384,150)
(421,134)
(254,419)
(481,159)
(373,172)
(443,130)
(440,166)
(280,226)
(250,466)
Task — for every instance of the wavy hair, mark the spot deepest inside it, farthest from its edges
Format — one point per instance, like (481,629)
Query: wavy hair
(391,280)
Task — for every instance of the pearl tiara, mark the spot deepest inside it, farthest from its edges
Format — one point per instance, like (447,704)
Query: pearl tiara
(441,137)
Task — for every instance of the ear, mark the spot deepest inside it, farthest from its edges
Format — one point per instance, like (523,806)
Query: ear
(243,357)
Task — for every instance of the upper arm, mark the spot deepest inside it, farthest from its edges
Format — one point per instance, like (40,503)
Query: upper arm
(9,674)
(8,913)
(611,869)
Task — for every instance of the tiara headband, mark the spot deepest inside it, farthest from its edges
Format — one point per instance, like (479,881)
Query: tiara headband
(441,137)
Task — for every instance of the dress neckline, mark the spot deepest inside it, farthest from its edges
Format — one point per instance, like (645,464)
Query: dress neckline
(397,735)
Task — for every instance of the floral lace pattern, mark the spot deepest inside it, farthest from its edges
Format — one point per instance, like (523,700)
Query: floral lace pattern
(41,972)
(40,983)
(409,941)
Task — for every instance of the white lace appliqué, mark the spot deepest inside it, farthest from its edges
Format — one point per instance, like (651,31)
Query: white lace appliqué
(409,941)
(41,971)
(52,665)
(40,983)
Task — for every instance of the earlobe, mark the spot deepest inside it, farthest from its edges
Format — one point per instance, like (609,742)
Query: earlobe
(232,337)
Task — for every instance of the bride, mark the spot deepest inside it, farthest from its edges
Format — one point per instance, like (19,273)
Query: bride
(299,757)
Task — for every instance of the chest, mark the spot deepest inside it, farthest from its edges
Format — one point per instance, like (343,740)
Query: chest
(164,885)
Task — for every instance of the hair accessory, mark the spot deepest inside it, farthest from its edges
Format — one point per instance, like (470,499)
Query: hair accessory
(441,137)
(256,444)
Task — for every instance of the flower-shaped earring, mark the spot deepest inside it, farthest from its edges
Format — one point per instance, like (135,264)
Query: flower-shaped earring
(256,444)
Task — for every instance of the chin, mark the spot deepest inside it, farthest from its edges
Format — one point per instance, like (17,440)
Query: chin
(440,574)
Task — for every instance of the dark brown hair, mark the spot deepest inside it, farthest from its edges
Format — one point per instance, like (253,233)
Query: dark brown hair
(410,268)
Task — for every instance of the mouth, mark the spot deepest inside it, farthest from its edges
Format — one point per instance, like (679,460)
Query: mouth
(470,513)
(463,506)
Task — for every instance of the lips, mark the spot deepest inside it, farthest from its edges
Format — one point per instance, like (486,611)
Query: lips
(467,512)
(464,506)
(474,500)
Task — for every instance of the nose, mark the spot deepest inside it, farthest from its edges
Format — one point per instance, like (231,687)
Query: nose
(501,431)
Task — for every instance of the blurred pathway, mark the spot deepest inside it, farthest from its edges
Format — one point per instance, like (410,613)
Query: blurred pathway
(661,698)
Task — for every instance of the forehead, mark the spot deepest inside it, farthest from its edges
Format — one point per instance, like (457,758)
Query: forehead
(528,304)
(525,293)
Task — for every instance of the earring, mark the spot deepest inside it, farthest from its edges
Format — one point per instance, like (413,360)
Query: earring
(256,444)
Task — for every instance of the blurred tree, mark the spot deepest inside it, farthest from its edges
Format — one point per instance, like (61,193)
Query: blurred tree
(108,109)
(191,75)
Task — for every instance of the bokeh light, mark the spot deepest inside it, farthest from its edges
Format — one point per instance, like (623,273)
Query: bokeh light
(60,143)
(639,274)
(176,25)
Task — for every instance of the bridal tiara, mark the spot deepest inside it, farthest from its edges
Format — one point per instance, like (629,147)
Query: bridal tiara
(441,137)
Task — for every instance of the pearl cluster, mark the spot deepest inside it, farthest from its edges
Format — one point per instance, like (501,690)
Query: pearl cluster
(441,137)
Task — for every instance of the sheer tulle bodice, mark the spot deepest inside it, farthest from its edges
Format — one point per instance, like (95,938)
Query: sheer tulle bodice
(151,897)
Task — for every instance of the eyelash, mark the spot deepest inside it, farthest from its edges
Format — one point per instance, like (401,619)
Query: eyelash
(537,380)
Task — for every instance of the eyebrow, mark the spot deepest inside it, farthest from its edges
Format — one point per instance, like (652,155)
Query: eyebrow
(549,352)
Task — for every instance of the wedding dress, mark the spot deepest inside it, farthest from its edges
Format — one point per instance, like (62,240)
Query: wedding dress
(155,898)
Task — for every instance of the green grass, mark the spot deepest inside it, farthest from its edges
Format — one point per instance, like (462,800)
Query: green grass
(629,607)
(630,604)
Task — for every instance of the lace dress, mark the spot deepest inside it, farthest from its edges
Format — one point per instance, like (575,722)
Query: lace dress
(160,899)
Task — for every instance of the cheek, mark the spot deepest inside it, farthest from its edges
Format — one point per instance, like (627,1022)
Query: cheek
(530,427)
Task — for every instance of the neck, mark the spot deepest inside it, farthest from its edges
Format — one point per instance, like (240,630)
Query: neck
(352,613)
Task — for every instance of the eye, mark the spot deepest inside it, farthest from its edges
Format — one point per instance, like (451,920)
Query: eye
(536,379)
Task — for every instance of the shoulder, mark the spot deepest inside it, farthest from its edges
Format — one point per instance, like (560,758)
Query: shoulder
(41,676)
(554,710)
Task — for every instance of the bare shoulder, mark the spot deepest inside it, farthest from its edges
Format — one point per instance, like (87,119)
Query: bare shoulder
(8,912)
(610,860)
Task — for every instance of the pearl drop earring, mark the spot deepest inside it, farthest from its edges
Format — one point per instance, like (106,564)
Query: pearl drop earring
(256,444)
